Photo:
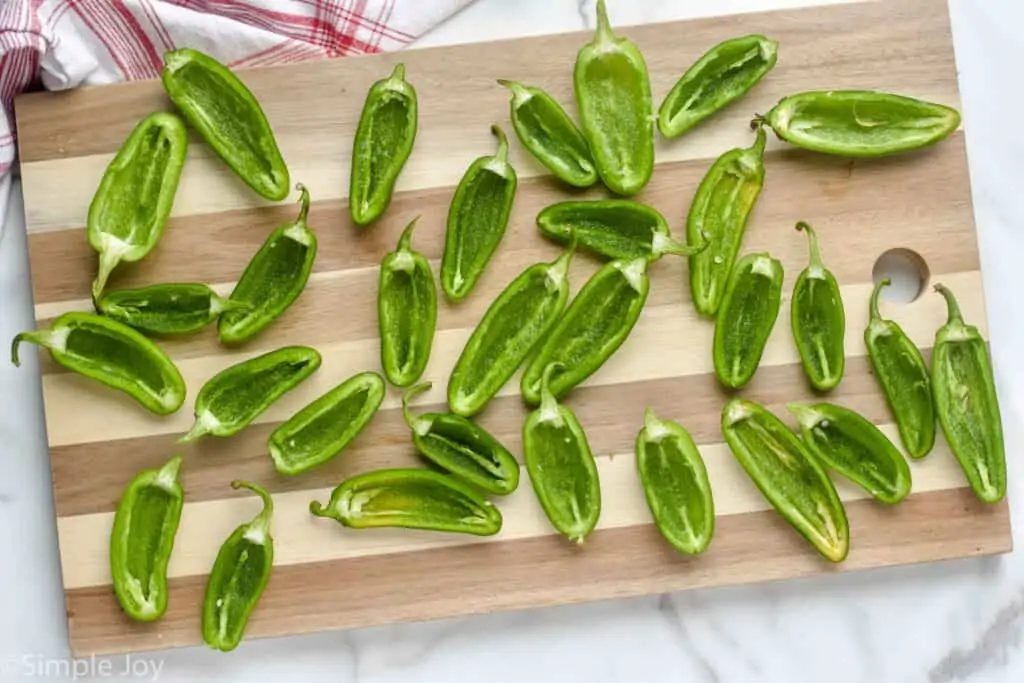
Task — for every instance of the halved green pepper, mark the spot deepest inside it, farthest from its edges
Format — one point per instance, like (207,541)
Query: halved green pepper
(818,320)
(166,309)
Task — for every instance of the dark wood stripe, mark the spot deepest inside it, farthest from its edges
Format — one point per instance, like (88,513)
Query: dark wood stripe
(615,563)
(89,478)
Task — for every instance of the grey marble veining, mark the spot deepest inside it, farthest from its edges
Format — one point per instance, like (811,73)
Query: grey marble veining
(940,623)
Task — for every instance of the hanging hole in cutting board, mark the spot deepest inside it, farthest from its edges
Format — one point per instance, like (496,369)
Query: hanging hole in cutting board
(908,272)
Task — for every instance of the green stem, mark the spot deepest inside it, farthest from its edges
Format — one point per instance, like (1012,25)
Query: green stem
(548,404)
(303,203)
(879,286)
(107,264)
(760,142)
(952,306)
(670,245)
(318,510)
(260,523)
(167,475)
(651,421)
(604,31)
(198,430)
(502,154)
(812,239)
(398,74)
(407,396)
(31,337)
(406,239)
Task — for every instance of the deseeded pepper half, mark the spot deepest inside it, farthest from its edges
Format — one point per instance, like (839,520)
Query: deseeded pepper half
(130,208)
(477,219)
(967,404)
(901,371)
(382,145)
(166,309)
(273,280)
(818,320)
(406,312)
(614,229)
(142,539)
(113,354)
(228,117)
(720,77)
(746,318)
(547,131)
(613,94)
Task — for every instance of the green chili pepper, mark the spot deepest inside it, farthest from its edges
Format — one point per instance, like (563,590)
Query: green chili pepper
(113,354)
(382,145)
(614,229)
(613,95)
(966,403)
(166,309)
(236,395)
(818,319)
(406,312)
(594,326)
(903,374)
(274,278)
(676,484)
(512,327)
(720,77)
(411,499)
(142,540)
(746,319)
(477,219)
(463,448)
(788,476)
(562,470)
(719,212)
(547,131)
(322,429)
(851,445)
(239,576)
(228,117)
(130,208)
(859,123)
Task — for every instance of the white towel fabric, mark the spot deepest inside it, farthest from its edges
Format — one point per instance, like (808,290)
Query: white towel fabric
(62,44)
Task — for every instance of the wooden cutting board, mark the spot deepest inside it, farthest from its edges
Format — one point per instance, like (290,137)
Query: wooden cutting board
(328,577)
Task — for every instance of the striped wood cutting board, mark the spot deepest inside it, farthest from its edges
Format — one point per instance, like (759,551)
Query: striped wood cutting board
(328,577)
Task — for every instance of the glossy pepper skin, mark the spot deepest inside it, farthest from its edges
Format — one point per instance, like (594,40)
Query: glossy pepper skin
(613,95)
(238,577)
(410,499)
(724,74)
(747,317)
(461,447)
(236,395)
(382,145)
(614,229)
(575,346)
(477,219)
(544,128)
(561,467)
(515,323)
(406,312)
(788,476)
(166,310)
(227,116)
(719,213)
(676,484)
(273,279)
(859,123)
(904,377)
(129,211)
(851,445)
(114,355)
(142,539)
(818,320)
(967,404)
(321,430)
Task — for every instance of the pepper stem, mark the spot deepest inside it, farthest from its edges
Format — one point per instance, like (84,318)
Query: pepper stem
(604,26)
(318,510)
(812,239)
(663,243)
(220,304)
(261,522)
(502,154)
(548,403)
(108,261)
(406,239)
(760,142)
(398,74)
(879,286)
(560,266)
(303,203)
(38,337)
(951,305)
(198,429)
(407,396)
(651,421)
(167,475)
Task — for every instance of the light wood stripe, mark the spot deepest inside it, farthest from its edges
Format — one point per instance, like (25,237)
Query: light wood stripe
(669,333)
(616,563)
(302,538)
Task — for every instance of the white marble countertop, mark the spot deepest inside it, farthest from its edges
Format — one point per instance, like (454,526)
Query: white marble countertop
(956,621)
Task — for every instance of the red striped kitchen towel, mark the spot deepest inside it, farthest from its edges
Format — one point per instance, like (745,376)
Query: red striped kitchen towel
(65,43)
